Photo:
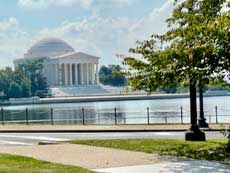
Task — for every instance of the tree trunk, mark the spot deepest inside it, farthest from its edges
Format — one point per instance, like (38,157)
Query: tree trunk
(194,133)
(193,106)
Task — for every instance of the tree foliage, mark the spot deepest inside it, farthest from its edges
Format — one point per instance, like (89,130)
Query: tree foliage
(15,90)
(25,81)
(14,83)
(194,51)
(187,53)
(33,70)
(111,76)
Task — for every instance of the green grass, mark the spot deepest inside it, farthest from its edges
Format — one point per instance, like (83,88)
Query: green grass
(19,164)
(209,150)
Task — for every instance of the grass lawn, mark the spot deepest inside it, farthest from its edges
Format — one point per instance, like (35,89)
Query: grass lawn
(209,150)
(19,164)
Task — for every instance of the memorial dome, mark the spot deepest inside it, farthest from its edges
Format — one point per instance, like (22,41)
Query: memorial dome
(48,47)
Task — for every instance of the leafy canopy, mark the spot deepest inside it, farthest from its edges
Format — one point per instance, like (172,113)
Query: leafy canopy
(111,76)
(14,83)
(33,70)
(189,52)
(25,81)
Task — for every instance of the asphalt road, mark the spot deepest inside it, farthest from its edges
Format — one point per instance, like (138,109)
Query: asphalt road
(15,139)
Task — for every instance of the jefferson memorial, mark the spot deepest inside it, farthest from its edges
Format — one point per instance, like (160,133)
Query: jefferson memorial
(63,67)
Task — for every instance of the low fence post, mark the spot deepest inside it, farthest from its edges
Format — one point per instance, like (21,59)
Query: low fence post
(83,116)
(166,121)
(27,119)
(216,115)
(115,115)
(99,120)
(2,114)
(51,116)
(148,115)
(181,115)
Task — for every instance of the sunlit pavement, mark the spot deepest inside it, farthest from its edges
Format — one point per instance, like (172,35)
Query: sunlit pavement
(185,166)
(177,166)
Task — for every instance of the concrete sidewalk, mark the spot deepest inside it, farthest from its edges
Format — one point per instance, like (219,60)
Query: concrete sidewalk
(100,128)
(89,157)
(110,160)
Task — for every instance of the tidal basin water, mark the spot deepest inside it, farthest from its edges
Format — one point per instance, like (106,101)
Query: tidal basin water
(127,112)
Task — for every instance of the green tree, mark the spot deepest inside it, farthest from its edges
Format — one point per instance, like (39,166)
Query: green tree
(222,36)
(27,79)
(5,81)
(23,81)
(25,86)
(8,77)
(187,53)
(111,76)
(33,70)
(14,90)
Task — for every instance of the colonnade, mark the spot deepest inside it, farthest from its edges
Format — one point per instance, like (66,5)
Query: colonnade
(71,74)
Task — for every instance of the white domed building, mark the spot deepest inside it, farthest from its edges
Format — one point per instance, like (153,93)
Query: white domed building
(63,67)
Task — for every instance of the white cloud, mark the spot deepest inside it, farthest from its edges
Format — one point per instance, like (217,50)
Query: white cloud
(154,22)
(95,35)
(8,24)
(107,37)
(13,41)
(43,4)
(101,36)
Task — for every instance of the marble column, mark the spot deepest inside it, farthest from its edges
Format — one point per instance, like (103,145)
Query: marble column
(96,74)
(63,74)
(87,74)
(51,74)
(93,74)
(70,74)
(66,74)
(76,75)
(56,74)
(60,74)
(82,74)
(52,70)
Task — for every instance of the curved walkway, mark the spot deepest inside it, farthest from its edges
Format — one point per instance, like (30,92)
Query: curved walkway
(109,160)
(85,156)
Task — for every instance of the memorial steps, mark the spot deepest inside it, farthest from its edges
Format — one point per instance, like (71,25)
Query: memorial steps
(84,90)
(78,90)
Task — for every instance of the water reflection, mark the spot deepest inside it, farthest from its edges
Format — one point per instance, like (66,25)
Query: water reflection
(127,112)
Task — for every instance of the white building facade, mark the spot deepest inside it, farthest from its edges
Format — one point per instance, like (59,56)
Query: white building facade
(62,65)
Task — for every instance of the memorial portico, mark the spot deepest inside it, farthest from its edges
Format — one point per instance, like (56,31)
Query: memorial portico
(68,74)
(62,65)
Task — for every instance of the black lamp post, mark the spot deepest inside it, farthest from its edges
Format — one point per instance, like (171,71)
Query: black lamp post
(202,120)
(194,133)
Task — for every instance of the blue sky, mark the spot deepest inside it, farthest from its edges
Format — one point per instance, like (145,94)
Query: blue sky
(100,27)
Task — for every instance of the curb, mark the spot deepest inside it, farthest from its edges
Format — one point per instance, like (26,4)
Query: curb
(103,131)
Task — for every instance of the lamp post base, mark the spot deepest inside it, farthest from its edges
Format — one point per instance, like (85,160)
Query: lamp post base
(195,134)
(202,123)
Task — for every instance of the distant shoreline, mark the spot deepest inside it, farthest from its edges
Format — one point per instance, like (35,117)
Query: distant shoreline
(104,98)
